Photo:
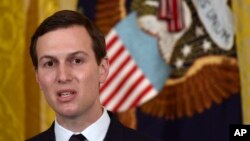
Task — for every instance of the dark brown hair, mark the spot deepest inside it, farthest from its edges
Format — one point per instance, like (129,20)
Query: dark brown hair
(64,19)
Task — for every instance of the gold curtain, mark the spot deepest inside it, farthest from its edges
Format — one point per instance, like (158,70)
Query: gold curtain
(37,112)
(12,100)
(23,110)
(241,10)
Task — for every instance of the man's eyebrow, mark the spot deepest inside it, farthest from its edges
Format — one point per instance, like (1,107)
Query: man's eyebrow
(69,55)
(46,57)
(78,52)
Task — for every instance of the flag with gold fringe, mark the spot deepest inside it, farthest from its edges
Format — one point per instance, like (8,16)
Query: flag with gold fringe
(203,90)
(204,83)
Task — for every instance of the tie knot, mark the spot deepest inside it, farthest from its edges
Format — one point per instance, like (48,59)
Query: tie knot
(78,137)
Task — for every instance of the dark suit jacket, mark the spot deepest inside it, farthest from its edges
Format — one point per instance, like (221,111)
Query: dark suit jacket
(116,132)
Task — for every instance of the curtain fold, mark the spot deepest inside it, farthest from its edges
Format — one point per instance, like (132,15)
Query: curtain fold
(241,10)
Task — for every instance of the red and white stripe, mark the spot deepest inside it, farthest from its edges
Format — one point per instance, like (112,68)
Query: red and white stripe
(172,12)
(126,85)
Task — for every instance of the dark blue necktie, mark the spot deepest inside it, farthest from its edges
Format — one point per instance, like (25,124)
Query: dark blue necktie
(78,137)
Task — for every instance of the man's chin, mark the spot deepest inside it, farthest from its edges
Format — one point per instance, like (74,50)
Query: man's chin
(68,114)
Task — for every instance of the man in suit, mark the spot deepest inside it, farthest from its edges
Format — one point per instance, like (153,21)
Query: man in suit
(69,56)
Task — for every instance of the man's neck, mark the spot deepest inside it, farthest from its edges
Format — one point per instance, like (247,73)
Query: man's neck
(79,123)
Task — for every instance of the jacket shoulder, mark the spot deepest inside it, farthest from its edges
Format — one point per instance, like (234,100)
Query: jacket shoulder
(117,131)
(47,135)
(134,135)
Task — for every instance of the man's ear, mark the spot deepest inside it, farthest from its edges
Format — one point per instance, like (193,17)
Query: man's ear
(103,69)
(37,78)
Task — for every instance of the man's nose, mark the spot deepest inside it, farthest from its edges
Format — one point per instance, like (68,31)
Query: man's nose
(64,74)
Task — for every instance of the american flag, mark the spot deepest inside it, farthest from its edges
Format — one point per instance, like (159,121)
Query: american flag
(126,86)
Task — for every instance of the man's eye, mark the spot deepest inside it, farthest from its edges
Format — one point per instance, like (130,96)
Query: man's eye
(77,61)
(49,64)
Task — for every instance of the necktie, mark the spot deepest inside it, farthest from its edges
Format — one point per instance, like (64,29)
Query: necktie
(78,137)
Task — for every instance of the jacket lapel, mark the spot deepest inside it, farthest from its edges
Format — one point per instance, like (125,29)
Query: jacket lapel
(115,131)
(48,135)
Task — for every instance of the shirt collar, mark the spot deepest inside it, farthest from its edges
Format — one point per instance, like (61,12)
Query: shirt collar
(61,133)
(95,132)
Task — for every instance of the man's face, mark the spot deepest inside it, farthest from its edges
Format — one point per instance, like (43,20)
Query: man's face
(68,73)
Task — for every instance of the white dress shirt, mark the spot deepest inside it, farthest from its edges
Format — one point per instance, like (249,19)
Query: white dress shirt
(95,132)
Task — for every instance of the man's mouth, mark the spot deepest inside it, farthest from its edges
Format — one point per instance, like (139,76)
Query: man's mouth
(66,93)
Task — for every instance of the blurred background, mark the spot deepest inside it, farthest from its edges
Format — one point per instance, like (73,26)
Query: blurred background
(179,68)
